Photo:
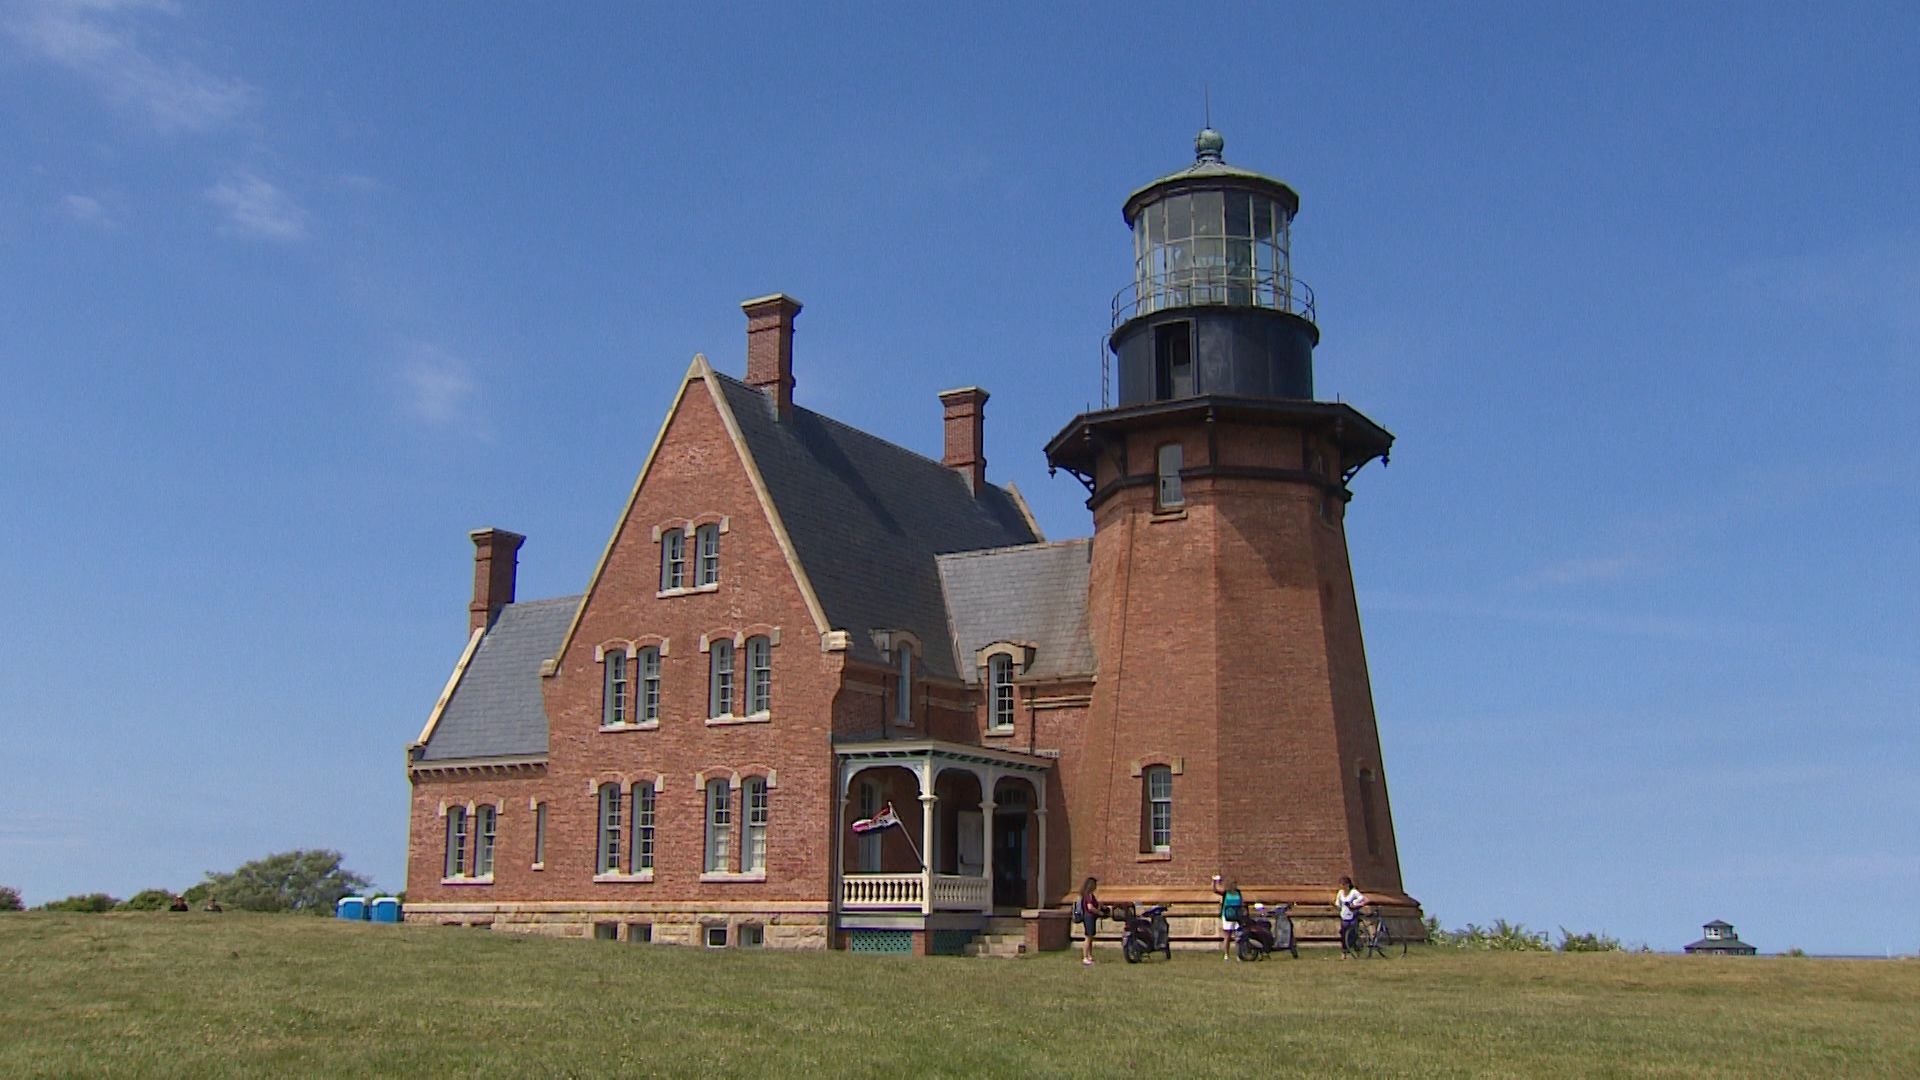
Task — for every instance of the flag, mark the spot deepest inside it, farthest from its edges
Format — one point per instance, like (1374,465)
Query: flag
(885,819)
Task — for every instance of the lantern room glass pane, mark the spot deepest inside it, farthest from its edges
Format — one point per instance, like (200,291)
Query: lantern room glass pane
(1263,219)
(1208,216)
(1239,211)
(1179,217)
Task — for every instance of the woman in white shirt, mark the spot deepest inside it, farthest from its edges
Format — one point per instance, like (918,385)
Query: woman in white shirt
(1349,900)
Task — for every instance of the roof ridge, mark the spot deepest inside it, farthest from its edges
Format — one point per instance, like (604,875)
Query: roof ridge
(865,434)
(547,600)
(976,552)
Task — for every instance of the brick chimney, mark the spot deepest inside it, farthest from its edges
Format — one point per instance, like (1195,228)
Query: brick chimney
(770,348)
(966,444)
(496,559)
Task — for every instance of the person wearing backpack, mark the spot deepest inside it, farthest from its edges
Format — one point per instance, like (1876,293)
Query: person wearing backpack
(1086,912)
(1231,908)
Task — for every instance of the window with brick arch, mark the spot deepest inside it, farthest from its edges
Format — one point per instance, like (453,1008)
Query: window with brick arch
(643,806)
(1156,817)
(1000,692)
(615,708)
(706,542)
(720,678)
(456,841)
(753,826)
(1167,493)
(486,821)
(759,675)
(610,830)
(719,825)
(649,685)
(673,559)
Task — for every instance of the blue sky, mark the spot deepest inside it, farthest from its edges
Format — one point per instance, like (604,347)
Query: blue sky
(293,296)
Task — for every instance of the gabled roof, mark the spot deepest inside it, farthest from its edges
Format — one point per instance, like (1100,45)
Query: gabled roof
(495,710)
(1035,594)
(867,519)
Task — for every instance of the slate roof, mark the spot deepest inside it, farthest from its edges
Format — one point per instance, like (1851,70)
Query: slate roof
(496,709)
(867,520)
(1036,593)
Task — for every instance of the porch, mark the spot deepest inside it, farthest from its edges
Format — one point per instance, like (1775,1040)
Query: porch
(971,838)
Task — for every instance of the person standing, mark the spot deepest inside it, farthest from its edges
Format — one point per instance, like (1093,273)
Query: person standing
(1349,900)
(1086,909)
(1232,907)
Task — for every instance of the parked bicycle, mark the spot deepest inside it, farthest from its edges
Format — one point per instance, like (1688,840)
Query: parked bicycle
(1371,937)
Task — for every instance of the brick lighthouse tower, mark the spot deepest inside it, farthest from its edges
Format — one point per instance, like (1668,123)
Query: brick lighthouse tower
(1231,729)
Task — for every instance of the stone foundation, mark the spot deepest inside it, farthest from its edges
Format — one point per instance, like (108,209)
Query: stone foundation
(660,925)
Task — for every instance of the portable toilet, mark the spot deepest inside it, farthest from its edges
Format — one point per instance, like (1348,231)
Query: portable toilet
(386,909)
(351,907)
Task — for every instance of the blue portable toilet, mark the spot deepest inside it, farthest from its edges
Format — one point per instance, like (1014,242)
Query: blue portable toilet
(351,907)
(386,909)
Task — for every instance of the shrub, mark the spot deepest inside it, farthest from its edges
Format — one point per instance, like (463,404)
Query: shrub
(304,881)
(10,899)
(147,900)
(1502,936)
(1590,942)
(90,903)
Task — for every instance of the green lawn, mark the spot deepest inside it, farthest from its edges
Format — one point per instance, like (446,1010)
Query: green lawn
(208,995)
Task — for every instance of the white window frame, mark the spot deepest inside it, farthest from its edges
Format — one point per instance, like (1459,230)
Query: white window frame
(673,560)
(1169,459)
(719,854)
(720,687)
(649,675)
(456,861)
(616,705)
(1158,782)
(645,806)
(486,830)
(707,936)
(706,555)
(759,675)
(612,830)
(754,815)
(750,936)
(1000,692)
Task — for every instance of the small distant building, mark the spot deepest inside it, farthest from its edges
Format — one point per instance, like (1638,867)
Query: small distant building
(1720,940)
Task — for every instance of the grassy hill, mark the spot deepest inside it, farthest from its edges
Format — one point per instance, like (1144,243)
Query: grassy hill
(210,995)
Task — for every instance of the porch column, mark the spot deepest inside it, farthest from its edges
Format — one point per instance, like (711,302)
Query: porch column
(928,803)
(987,806)
(1040,864)
(840,779)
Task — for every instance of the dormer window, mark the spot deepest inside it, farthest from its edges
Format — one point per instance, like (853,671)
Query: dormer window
(1167,495)
(903,706)
(707,544)
(1000,692)
(673,560)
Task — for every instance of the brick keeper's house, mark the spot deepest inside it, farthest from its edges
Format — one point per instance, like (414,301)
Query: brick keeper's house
(797,626)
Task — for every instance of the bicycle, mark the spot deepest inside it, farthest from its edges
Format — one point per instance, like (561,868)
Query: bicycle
(1371,937)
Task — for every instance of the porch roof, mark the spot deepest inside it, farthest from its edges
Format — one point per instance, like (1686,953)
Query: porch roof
(874,751)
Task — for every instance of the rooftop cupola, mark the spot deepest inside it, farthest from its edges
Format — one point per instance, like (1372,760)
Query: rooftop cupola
(1213,307)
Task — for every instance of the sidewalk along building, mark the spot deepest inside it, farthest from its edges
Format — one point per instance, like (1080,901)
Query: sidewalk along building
(821,691)
(1718,939)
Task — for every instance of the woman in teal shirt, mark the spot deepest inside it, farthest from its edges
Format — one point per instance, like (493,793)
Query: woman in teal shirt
(1230,911)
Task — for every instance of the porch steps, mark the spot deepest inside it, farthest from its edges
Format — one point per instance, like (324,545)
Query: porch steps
(1003,938)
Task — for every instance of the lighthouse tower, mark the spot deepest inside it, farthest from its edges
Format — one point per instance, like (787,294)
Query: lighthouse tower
(1231,729)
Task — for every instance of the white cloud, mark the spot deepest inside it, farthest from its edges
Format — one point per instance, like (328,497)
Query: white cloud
(96,40)
(438,388)
(256,207)
(87,210)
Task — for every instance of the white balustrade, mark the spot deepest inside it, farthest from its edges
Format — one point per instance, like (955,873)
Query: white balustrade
(859,891)
(953,892)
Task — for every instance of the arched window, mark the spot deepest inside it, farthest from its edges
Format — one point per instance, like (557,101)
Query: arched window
(486,822)
(609,860)
(673,560)
(642,827)
(1000,691)
(456,841)
(753,826)
(614,704)
(719,825)
(759,675)
(649,685)
(1168,493)
(903,706)
(720,677)
(1156,815)
(707,544)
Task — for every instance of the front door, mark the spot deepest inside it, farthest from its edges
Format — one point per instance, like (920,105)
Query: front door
(1010,859)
